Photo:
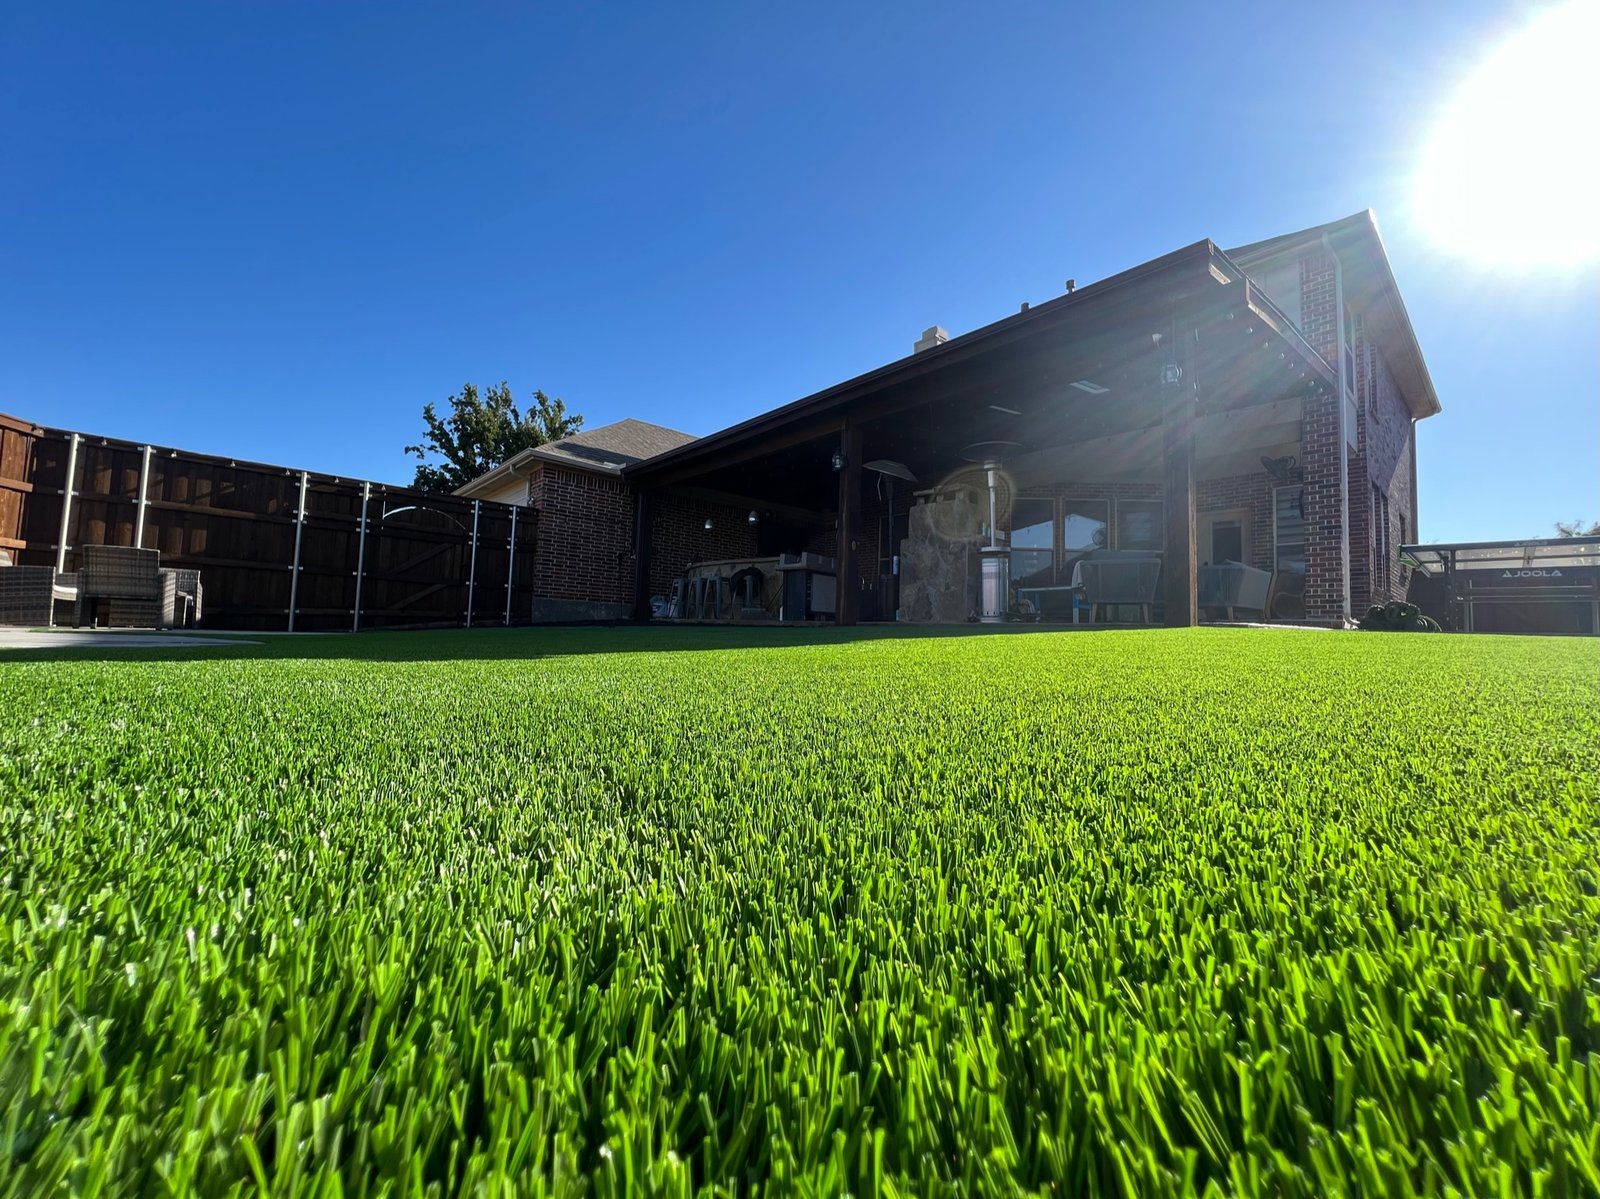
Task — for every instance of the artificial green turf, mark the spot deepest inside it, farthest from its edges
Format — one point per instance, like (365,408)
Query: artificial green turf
(633,911)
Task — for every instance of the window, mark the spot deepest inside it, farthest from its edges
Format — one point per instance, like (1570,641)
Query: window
(1085,526)
(1033,543)
(1139,525)
(1289,529)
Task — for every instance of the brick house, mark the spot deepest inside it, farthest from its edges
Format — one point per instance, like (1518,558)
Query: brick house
(583,564)
(1256,405)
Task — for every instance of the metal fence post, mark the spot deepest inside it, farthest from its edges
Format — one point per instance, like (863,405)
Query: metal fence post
(511,563)
(67,490)
(144,491)
(361,556)
(299,530)
(472,570)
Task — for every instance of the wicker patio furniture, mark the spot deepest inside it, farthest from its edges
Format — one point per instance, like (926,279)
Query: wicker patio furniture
(122,585)
(27,595)
(66,593)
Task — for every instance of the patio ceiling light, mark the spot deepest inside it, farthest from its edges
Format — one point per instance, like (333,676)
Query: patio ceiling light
(1092,388)
(709,525)
(754,517)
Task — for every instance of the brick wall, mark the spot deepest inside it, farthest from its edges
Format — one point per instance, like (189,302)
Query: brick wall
(1381,484)
(679,536)
(1320,447)
(585,536)
(1252,492)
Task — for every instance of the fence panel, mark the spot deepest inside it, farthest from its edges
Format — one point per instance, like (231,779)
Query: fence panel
(16,449)
(238,523)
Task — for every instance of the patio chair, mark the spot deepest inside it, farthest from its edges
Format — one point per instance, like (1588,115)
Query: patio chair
(66,598)
(1286,598)
(125,585)
(180,600)
(1231,585)
(1118,577)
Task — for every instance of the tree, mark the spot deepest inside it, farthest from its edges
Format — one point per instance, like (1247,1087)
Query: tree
(483,431)
(1575,528)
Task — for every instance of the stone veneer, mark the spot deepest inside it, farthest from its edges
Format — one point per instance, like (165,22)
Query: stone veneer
(939,559)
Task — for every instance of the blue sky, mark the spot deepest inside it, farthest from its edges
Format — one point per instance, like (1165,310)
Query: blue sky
(274,231)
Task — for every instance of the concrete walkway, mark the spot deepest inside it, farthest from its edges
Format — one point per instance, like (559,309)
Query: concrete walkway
(108,639)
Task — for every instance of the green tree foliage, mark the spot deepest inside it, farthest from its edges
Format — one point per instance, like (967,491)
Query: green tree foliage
(482,431)
(1577,528)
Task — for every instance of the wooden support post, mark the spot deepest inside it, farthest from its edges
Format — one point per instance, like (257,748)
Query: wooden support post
(643,519)
(144,491)
(299,531)
(361,556)
(848,580)
(1178,562)
(511,562)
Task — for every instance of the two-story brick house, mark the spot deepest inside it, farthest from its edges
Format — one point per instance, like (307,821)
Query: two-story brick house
(1256,405)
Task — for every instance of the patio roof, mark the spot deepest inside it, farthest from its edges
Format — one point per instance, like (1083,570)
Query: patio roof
(1080,376)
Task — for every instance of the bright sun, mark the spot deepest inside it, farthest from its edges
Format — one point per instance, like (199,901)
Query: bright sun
(1509,172)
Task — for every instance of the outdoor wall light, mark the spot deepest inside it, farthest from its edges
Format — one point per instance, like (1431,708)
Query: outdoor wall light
(754,517)
(709,525)
(838,459)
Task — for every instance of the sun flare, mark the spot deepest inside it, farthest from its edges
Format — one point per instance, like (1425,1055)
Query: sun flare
(1509,171)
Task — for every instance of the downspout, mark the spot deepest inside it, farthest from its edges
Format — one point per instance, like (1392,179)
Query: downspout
(1416,516)
(1344,427)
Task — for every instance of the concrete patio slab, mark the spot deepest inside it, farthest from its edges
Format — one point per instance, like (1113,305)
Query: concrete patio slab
(108,639)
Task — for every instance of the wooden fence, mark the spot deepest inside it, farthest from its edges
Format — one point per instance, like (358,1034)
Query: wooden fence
(276,548)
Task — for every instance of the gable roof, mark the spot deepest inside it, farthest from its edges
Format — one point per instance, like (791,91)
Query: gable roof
(1370,279)
(604,450)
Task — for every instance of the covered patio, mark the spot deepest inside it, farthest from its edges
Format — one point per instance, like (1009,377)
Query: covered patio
(1162,415)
